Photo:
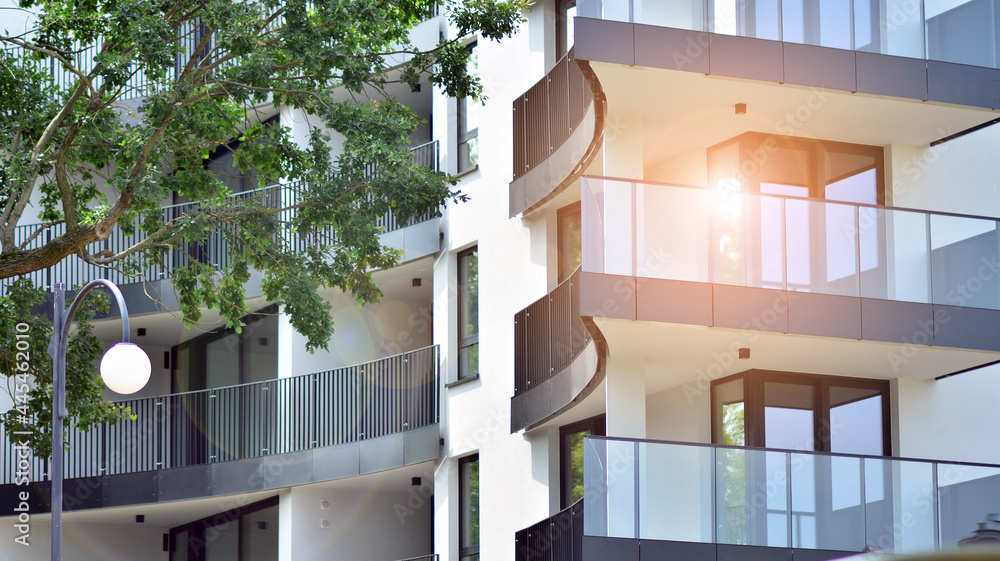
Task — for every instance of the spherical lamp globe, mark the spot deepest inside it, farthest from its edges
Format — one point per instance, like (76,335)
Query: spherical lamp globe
(125,368)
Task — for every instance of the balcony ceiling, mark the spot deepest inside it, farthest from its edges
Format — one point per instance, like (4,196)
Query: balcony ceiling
(685,110)
(676,355)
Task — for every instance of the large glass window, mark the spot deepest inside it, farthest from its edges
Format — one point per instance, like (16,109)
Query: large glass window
(570,246)
(468,518)
(468,121)
(571,456)
(468,313)
(565,25)
(249,533)
(801,412)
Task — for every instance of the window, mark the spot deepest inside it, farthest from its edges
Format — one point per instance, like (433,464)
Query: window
(571,457)
(468,515)
(802,412)
(565,14)
(468,121)
(249,533)
(468,313)
(569,242)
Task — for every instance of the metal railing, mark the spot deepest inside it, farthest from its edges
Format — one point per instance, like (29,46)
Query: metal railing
(548,113)
(548,335)
(214,250)
(917,29)
(339,406)
(650,490)
(734,237)
(557,538)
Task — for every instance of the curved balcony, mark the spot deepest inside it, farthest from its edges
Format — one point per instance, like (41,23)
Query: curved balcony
(557,362)
(414,243)
(327,425)
(558,129)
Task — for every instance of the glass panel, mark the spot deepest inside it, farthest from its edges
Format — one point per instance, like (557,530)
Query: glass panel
(260,535)
(592,223)
(750,484)
(469,514)
(675,492)
(793,21)
(260,349)
(901,238)
(776,493)
(964,261)
(222,361)
(863,26)
(904,29)
(680,14)
(900,518)
(573,444)
(855,420)
(609,488)
(673,232)
(962,32)
(180,552)
(727,412)
(570,249)
(766,20)
(968,498)
(789,411)
(595,477)
(725,13)
(835,24)
(732,495)
(468,312)
(222,542)
(468,154)
(826,503)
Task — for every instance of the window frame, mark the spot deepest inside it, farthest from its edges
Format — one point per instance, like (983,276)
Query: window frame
(565,268)
(197,528)
(463,136)
(466,341)
(466,550)
(753,404)
(597,427)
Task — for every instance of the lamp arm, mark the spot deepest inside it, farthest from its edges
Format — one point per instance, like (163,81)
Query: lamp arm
(68,321)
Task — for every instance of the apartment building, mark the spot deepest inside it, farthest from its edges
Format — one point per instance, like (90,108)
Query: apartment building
(727,287)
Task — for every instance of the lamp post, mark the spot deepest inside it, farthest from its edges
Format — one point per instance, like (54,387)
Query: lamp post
(125,369)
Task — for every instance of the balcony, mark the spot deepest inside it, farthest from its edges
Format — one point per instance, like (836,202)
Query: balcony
(558,129)
(699,501)
(250,437)
(807,282)
(556,362)
(417,238)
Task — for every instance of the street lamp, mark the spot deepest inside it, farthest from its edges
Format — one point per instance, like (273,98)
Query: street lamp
(125,369)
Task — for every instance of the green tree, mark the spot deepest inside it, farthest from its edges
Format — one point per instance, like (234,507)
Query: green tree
(201,69)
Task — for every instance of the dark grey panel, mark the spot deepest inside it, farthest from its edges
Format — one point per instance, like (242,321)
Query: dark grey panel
(516,197)
(607,296)
(185,482)
(962,84)
(518,412)
(82,493)
(747,57)
(822,67)
(824,314)
(896,322)
(603,549)
(753,553)
(673,49)
(966,328)
(654,550)
(421,445)
(284,470)
(674,301)
(756,309)
(891,75)
(604,41)
(237,476)
(336,462)
(131,488)
(385,452)
(819,554)
(539,401)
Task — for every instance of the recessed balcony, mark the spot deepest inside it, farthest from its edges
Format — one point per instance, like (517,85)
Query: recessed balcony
(316,427)
(685,276)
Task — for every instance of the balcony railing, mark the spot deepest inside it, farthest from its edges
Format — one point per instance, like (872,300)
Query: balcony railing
(349,404)
(546,115)
(768,241)
(557,538)
(959,32)
(548,335)
(728,495)
(214,250)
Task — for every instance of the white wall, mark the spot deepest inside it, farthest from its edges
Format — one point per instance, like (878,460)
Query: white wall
(681,414)
(84,542)
(361,525)
(950,419)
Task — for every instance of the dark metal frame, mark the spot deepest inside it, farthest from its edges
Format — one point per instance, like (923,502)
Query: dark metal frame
(465,550)
(198,528)
(464,341)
